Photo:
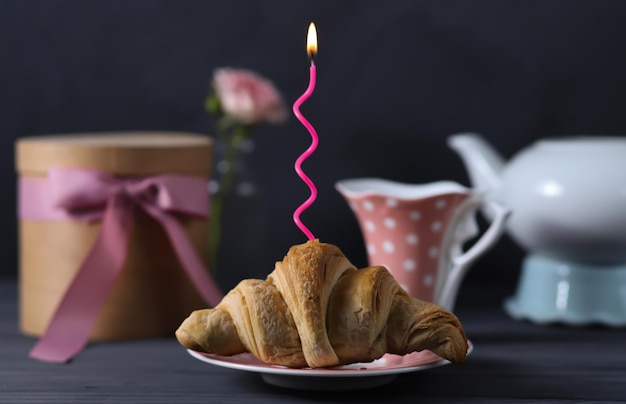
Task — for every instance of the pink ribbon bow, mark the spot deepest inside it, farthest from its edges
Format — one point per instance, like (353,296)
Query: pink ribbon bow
(91,195)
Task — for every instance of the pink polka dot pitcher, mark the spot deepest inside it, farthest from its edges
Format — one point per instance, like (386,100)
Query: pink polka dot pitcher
(417,231)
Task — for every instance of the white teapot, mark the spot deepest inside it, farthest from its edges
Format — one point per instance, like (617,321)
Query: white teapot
(568,203)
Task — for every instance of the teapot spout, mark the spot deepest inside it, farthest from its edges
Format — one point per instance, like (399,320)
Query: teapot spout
(483,163)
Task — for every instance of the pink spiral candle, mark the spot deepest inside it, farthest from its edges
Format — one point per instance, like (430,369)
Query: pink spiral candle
(312,50)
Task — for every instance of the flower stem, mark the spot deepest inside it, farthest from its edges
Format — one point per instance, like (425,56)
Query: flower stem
(231,137)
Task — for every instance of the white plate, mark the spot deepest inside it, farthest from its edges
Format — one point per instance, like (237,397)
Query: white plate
(348,377)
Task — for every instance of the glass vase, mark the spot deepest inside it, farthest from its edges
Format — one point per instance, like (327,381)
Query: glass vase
(239,229)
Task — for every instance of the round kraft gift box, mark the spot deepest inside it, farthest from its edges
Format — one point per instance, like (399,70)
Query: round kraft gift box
(153,293)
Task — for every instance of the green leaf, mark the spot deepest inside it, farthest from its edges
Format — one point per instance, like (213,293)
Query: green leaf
(213,106)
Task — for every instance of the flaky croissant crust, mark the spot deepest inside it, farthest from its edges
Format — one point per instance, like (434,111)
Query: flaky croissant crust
(317,310)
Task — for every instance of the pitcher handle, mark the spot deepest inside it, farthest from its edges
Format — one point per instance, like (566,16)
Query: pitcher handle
(461,263)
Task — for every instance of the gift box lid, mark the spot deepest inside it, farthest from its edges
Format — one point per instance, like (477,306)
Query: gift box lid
(117,153)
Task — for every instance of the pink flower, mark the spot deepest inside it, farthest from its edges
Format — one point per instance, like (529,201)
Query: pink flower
(247,97)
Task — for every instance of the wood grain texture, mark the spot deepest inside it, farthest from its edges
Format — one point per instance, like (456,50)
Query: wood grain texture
(513,362)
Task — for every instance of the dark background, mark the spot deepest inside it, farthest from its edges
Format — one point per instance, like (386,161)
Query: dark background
(395,79)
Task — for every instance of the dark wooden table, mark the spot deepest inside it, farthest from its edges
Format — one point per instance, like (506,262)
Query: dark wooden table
(513,362)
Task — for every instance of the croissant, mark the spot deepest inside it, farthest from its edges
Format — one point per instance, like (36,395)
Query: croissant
(317,310)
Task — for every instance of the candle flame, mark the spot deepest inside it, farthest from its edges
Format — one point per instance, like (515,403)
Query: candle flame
(311,41)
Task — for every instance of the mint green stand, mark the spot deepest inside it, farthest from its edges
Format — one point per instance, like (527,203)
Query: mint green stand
(557,291)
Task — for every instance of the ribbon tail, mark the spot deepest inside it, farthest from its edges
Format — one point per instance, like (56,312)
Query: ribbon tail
(193,265)
(72,322)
